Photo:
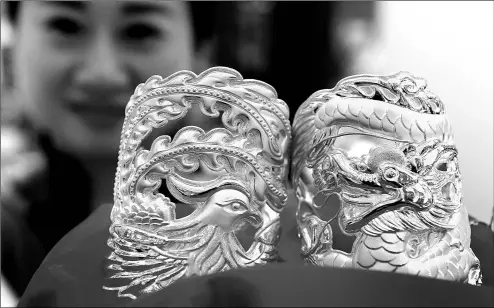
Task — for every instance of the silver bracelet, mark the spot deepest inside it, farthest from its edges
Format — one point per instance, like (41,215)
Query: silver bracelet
(385,147)
(243,180)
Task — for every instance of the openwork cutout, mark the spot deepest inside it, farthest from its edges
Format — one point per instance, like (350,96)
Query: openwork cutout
(244,167)
(385,147)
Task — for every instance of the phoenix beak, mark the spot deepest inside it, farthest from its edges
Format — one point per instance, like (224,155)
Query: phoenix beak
(255,219)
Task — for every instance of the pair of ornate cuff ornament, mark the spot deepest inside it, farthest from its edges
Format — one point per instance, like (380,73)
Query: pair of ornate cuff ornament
(382,144)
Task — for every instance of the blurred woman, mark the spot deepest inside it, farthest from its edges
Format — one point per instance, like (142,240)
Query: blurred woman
(75,64)
(74,67)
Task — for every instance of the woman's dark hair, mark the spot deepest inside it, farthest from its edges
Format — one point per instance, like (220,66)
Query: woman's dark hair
(202,12)
(12,10)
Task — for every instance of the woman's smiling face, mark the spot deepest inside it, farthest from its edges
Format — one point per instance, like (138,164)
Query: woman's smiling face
(77,63)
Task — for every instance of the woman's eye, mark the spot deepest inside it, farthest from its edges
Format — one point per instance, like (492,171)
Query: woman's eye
(65,26)
(137,32)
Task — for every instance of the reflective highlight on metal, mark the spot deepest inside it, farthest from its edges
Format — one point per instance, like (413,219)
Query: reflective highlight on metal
(232,176)
(385,147)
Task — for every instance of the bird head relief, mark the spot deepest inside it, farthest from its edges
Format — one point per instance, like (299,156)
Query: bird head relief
(232,176)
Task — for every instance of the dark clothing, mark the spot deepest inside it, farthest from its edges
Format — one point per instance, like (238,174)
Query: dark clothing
(58,199)
(74,272)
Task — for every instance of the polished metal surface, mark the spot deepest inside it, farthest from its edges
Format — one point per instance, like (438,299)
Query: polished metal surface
(384,146)
(231,176)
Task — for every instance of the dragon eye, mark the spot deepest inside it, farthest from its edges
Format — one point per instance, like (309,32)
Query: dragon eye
(390,174)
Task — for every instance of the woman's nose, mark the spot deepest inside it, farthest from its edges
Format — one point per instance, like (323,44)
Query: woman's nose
(102,68)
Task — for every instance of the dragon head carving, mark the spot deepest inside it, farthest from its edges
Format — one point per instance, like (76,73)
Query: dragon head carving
(393,188)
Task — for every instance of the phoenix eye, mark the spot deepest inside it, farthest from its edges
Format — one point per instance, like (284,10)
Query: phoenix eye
(237,206)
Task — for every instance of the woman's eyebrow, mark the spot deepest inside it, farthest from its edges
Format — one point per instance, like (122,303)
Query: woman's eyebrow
(78,6)
(143,8)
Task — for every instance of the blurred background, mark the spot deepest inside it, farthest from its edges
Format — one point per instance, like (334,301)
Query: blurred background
(301,47)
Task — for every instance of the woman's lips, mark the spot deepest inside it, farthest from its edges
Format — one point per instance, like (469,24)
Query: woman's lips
(98,116)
